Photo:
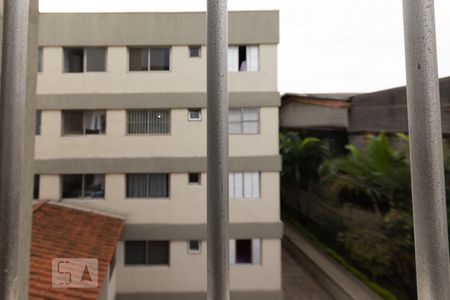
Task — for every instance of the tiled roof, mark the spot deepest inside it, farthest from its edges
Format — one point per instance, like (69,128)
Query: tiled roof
(64,232)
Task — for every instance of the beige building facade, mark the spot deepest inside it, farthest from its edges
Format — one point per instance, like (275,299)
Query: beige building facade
(121,128)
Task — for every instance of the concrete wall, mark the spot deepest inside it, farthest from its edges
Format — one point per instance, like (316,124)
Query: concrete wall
(187,273)
(187,203)
(386,110)
(186,135)
(186,74)
(295,115)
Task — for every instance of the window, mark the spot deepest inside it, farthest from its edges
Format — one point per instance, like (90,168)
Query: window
(195,51)
(147,252)
(194,178)
(194,247)
(243,58)
(149,59)
(244,120)
(244,185)
(83,186)
(84,122)
(78,60)
(95,59)
(147,186)
(37,180)
(40,59)
(194,114)
(245,252)
(148,121)
(38,122)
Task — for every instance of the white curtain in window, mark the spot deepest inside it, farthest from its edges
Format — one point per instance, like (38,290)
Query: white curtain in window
(232,252)
(256,251)
(252,58)
(233,59)
(244,185)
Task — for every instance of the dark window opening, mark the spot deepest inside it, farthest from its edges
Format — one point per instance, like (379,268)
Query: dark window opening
(243,251)
(73,60)
(160,59)
(194,178)
(78,122)
(40,59)
(135,252)
(83,186)
(194,246)
(96,59)
(38,122)
(138,59)
(36,183)
(147,252)
(194,51)
(242,58)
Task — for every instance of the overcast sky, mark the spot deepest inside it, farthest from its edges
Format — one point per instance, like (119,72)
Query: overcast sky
(326,46)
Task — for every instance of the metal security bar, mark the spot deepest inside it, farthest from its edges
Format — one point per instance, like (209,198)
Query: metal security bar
(217,152)
(148,121)
(17,117)
(427,170)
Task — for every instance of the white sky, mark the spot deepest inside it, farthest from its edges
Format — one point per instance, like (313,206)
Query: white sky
(326,46)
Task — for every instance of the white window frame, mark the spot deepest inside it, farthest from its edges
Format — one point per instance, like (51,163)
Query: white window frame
(244,185)
(252,58)
(243,121)
(199,110)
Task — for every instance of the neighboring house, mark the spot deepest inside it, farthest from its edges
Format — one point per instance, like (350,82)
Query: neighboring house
(386,111)
(63,233)
(324,116)
(346,117)
(121,127)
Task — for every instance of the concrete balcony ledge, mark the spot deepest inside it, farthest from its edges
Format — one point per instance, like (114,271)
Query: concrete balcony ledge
(339,282)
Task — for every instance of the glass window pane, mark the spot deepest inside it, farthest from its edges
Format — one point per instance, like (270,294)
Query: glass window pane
(135,253)
(138,59)
(72,186)
(94,186)
(194,51)
(147,186)
(160,59)
(96,59)
(158,253)
(73,122)
(73,60)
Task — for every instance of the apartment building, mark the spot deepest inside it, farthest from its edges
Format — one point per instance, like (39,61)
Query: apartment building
(121,128)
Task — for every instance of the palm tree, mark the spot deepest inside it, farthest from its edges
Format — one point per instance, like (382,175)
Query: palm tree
(380,173)
(301,159)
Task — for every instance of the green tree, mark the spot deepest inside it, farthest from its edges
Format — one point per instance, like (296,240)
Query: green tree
(380,173)
(301,159)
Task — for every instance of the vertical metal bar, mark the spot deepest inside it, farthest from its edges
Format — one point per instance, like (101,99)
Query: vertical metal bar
(217,152)
(427,171)
(17,130)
